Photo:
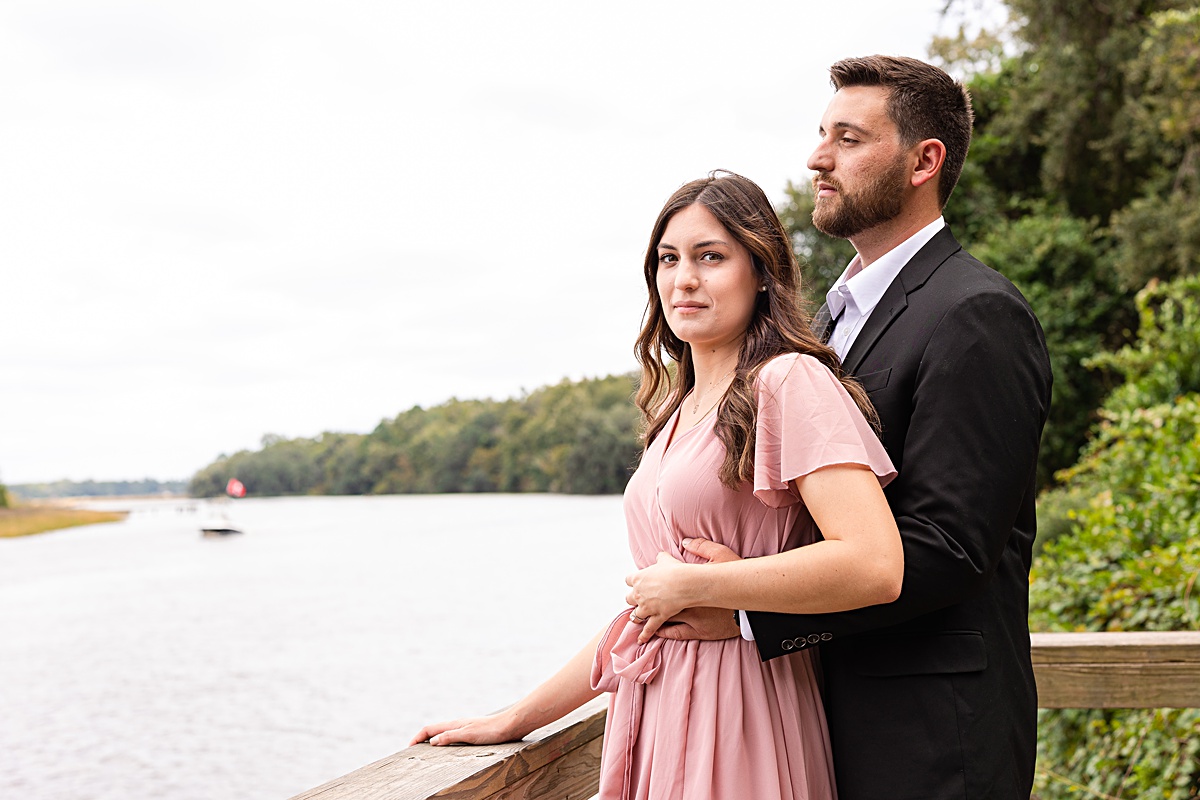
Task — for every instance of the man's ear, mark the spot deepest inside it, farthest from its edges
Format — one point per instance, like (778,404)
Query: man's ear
(930,155)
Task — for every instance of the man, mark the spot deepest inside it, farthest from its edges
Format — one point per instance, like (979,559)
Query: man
(931,696)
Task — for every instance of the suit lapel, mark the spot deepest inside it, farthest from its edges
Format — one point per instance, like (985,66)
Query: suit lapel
(911,278)
(890,306)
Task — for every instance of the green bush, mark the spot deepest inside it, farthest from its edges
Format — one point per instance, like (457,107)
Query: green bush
(1130,557)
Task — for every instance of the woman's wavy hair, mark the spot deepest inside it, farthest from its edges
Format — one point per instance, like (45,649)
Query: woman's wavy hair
(780,323)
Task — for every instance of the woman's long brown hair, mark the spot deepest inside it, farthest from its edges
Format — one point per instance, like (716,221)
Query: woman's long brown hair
(780,323)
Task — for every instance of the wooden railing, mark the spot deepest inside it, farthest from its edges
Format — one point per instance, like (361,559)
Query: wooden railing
(1117,670)
(561,761)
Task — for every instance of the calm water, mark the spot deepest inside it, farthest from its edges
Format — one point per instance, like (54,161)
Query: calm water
(140,660)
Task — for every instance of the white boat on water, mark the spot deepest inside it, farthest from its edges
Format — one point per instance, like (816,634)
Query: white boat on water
(219,527)
(219,524)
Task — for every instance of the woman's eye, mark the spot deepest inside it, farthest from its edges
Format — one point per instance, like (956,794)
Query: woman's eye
(666,258)
(711,257)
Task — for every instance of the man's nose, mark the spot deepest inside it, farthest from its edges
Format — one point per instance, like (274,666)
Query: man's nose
(821,159)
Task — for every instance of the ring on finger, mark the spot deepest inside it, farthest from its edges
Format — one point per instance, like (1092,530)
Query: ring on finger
(634,618)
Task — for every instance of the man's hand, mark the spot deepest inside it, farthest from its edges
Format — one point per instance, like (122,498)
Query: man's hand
(710,551)
(706,624)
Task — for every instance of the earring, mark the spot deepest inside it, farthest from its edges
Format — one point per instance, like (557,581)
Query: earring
(762,288)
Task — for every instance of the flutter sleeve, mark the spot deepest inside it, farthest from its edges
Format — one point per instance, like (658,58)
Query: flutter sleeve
(806,421)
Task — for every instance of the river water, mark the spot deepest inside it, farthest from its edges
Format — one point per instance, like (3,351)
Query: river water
(141,660)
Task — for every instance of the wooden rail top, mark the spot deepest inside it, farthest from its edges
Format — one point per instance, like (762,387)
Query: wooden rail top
(558,761)
(561,761)
(1117,670)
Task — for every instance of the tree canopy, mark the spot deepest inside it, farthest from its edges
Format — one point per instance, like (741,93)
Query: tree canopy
(573,437)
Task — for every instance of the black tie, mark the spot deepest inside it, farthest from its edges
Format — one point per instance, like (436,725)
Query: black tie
(828,332)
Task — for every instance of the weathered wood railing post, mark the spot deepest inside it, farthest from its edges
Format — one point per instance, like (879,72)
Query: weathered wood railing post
(561,761)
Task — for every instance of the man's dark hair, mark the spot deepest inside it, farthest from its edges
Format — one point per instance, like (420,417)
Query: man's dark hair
(924,103)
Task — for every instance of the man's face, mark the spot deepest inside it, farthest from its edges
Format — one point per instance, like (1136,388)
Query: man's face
(862,170)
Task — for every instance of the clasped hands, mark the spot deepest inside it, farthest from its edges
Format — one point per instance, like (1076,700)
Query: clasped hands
(665,605)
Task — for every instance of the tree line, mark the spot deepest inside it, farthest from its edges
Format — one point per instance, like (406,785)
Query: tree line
(90,488)
(574,437)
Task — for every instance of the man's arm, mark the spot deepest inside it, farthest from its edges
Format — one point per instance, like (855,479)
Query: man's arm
(978,406)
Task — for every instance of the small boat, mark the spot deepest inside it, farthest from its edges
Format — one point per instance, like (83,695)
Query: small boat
(219,525)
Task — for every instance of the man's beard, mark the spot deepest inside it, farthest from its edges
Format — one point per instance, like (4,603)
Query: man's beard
(844,215)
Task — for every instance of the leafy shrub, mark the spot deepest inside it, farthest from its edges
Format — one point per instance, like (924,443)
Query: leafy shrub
(1131,557)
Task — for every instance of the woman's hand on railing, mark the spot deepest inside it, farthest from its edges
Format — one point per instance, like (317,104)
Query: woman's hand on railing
(565,691)
(492,729)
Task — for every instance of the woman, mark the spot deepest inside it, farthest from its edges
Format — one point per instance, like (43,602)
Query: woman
(752,441)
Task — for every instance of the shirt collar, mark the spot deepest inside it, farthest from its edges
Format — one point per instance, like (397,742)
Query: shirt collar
(865,287)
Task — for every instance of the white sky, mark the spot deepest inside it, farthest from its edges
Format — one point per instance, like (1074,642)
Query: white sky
(223,219)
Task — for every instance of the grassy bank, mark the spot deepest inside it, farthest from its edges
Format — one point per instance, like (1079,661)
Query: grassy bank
(26,520)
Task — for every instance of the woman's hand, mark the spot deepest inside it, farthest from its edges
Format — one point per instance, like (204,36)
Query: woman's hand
(703,623)
(565,691)
(663,590)
(658,593)
(491,729)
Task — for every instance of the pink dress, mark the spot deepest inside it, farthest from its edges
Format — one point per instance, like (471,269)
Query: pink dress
(696,720)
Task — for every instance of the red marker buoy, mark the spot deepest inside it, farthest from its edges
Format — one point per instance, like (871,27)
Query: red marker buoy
(235,488)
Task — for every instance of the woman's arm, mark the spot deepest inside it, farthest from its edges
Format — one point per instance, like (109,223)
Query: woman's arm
(567,690)
(859,563)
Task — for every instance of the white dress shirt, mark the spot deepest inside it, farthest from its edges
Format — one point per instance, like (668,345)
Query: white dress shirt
(855,294)
(851,300)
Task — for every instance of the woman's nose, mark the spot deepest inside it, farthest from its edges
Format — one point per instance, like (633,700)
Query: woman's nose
(687,276)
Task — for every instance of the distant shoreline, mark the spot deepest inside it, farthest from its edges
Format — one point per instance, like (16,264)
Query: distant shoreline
(27,520)
(67,489)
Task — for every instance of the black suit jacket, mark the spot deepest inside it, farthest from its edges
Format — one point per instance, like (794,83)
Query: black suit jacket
(933,696)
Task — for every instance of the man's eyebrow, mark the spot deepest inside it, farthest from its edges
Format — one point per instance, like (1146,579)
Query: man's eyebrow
(847,126)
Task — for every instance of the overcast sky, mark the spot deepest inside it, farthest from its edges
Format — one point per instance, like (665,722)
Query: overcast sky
(225,219)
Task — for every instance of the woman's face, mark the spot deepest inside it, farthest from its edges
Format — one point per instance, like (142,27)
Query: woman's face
(706,281)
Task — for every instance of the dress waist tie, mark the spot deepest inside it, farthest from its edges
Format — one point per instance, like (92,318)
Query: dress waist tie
(621,658)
